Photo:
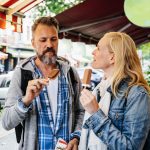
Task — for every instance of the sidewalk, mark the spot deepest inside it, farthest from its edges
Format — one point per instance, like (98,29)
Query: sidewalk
(7,138)
(8,142)
(3,132)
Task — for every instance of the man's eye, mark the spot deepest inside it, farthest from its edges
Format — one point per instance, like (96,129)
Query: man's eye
(42,40)
(53,39)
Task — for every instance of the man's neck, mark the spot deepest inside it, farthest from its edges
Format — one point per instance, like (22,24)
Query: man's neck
(44,68)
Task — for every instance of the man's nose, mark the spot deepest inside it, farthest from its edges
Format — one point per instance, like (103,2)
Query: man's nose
(49,43)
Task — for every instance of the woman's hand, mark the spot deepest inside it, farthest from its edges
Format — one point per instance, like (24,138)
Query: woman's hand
(88,101)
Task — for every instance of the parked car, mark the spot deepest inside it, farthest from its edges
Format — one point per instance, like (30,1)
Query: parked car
(95,77)
(1,68)
(5,80)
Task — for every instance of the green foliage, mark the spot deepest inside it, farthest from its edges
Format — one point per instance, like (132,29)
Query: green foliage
(148,75)
(146,56)
(146,50)
(56,6)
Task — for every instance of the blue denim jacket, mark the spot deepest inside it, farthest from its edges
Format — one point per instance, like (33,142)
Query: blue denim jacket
(128,122)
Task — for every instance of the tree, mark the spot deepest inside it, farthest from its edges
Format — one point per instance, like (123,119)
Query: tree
(146,50)
(49,7)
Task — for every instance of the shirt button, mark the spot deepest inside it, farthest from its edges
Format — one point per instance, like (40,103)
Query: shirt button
(24,106)
(99,134)
(117,115)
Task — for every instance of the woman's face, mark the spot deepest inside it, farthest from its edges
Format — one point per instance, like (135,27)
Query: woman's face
(102,57)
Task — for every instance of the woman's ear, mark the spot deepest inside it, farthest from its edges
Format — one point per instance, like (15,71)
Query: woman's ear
(112,58)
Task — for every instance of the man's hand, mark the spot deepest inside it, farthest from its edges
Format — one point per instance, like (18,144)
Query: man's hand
(33,89)
(73,144)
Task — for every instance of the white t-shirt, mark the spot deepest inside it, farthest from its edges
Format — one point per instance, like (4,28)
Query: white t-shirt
(52,89)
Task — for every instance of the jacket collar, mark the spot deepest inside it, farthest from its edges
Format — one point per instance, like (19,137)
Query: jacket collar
(122,86)
(62,62)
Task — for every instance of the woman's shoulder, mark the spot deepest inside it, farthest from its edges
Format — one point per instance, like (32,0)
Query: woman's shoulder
(138,94)
(138,89)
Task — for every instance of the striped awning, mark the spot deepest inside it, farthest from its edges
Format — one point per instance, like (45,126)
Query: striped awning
(12,12)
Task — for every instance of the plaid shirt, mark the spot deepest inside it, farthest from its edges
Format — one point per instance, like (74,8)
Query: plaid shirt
(48,132)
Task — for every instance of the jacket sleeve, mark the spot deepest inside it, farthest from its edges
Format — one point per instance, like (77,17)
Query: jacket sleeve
(12,115)
(78,109)
(135,127)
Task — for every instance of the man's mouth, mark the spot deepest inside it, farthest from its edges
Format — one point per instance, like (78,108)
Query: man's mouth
(49,50)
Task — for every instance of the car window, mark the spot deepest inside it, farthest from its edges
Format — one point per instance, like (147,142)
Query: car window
(7,83)
(1,79)
(5,79)
(3,83)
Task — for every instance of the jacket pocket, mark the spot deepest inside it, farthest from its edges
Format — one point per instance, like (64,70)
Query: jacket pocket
(117,117)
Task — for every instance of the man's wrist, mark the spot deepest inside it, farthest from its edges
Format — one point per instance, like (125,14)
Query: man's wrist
(26,103)
(22,107)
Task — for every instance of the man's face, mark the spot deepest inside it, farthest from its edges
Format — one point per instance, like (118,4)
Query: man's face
(45,42)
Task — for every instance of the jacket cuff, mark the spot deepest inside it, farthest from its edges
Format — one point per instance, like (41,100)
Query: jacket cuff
(22,107)
(75,134)
(97,118)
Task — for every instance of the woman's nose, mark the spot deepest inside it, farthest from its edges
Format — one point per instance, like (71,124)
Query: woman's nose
(93,52)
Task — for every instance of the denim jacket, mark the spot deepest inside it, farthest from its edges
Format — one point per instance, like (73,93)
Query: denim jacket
(128,123)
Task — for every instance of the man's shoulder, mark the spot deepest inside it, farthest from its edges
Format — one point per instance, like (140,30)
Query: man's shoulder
(25,64)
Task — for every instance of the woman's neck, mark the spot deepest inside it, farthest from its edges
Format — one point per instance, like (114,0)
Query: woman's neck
(108,73)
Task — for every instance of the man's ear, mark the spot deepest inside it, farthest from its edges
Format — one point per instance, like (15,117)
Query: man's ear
(32,42)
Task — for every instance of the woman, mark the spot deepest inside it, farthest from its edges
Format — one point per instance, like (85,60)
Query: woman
(118,111)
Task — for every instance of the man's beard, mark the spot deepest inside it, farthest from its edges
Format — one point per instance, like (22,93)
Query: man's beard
(46,59)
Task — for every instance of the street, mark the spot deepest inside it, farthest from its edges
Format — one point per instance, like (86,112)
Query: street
(8,142)
(7,139)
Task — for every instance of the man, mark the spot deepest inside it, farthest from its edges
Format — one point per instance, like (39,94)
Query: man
(7,62)
(50,107)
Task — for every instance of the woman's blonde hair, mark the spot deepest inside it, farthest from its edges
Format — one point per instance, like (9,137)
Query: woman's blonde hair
(127,63)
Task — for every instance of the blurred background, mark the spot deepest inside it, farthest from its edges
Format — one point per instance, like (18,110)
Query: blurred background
(82,24)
